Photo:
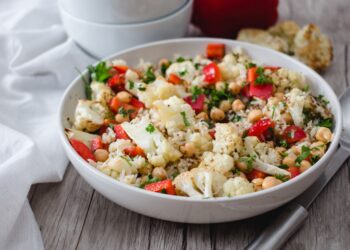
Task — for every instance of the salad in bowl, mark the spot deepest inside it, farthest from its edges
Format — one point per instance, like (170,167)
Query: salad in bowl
(218,124)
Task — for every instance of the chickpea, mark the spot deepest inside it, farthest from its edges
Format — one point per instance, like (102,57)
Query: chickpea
(160,173)
(225,105)
(274,100)
(220,86)
(270,182)
(121,118)
(304,165)
(270,144)
(101,155)
(279,95)
(258,181)
(217,114)
(289,160)
(287,117)
(202,116)
(324,134)
(164,62)
(241,165)
(124,96)
(237,105)
(318,148)
(189,149)
(235,87)
(296,150)
(255,115)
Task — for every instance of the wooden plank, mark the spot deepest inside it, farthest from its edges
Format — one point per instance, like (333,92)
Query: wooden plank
(109,226)
(165,235)
(60,210)
(198,237)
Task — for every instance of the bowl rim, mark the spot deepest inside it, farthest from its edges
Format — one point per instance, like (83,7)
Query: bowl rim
(316,167)
(182,9)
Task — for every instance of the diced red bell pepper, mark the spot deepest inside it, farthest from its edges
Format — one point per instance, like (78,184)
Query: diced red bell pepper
(121,68)
(159,186)
(115,104)
(116,81)
(96,143)
(174,79)
(263,91)
(120,132)
(82,150)
(260,128)
(211,73)
(294,171)
(134,151)
(246,91)
(293,134)
(255,174)
(198,104)
(215,50)
(212,133)
(136,103)
(131,110)
(251,75)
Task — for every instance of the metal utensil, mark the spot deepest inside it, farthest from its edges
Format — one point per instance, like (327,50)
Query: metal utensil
(294,213)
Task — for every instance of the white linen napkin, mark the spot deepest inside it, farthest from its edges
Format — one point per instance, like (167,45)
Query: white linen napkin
(37,63)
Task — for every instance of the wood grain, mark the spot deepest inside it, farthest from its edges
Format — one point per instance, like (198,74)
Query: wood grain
(73,216)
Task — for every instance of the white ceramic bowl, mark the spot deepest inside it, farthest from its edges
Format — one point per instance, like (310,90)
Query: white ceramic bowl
(121,11)
(101,40)
(184,209)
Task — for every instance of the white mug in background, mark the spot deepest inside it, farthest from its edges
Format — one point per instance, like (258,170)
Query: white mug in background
(121,11)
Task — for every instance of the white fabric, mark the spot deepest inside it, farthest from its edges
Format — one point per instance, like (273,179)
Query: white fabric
(37,63)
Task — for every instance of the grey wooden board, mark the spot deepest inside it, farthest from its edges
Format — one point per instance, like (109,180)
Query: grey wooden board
(72,215)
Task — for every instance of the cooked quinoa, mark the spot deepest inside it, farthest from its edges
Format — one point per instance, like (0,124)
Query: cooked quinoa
(219,124)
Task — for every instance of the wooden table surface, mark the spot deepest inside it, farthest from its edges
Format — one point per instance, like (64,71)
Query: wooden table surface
(71,214)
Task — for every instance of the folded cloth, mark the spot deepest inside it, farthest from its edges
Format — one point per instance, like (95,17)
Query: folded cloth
(37,63)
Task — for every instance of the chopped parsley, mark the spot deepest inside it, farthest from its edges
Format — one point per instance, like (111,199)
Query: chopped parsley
(183,72)
(149,75)
(131,84)
(250,65)
(216,96)
(314,158)
(262,78)
(273,111)
(249,160)
(284,154)
(100,72)
(196,91)
(327,123)
(283,166)
(180,59)
(125,112)
(282,177)
(235,118)
(150,180)
(283,143)
(150,128)
(87,87)
(164,66)
(142,88)
(305,152)
(322,100)
(197,65)
(184,117)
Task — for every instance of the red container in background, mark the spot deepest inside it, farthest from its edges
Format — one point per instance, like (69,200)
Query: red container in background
(224,18)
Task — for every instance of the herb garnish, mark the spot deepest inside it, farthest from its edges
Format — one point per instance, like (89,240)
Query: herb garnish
(125,112)
(322,100)
(282,177)
(180,59)
(127,159)
(149,75)
(184,117)
(183,72)
(327,123)
(305,152)
(249,160)
(100,72)
(196,91)
(250,65)
(262,78)
(150,128)
(131,84)
(150,180)
(142,88)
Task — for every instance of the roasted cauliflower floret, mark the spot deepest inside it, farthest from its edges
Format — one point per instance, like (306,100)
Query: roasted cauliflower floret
(157,148)
(313,47)
(202,142)
(227,139)
(119,145)
(101,92)
(237,186)
(221,163)
(184,70)
(209,182)
(89,115)
(295,101)
(231,69)
(285,78)
(263,38)
(184,185)
(175,114)
(160,89)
